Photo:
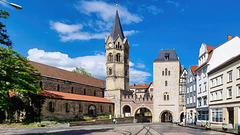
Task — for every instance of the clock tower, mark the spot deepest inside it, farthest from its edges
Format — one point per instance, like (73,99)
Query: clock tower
(117,65)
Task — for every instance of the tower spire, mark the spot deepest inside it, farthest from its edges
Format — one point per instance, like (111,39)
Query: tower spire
(117,28)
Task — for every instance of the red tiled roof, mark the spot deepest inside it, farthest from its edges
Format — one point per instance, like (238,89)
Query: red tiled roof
(193,69)
(140,86)
(70,96)
(54,72)
(210,50)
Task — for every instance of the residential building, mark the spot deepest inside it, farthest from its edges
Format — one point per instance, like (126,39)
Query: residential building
(182,94)
(202,107)
(191,95)
(142,90)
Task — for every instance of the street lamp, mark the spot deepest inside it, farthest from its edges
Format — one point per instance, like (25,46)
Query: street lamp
(12,4)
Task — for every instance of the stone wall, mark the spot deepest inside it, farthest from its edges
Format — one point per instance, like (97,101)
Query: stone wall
(103,121)
(59,111)
(70,87)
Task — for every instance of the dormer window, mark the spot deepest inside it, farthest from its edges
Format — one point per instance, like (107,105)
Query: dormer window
(166,56)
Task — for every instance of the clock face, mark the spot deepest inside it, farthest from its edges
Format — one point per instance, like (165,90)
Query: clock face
(110,45)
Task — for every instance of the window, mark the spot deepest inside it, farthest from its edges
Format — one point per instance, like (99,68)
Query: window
(166,56)
(187,100)
(165,83)
(187,90)
(190,100)
(200,90)
(220,94)
(110,71)
(229,92)
(169,73)
(165,96)
(110,57)
(230,76)
(221,79)
(238,69)
(238,90)
(101,108)
(84,91)
(190,79)
(211,96)
(216,95)
(165,71)
(50,107)
(199,102)
(190,88)
(194,99)
(194,87)
(94,93)
(80,108)
(162,73)
(110,108)
(217,115)
(118,57)
(58,87)
(66,107)
(211,82)
(216,81)
(72,90)
(205,101)
(205,86)
(40,84)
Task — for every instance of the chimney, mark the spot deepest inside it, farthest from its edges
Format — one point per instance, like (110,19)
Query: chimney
(229,37)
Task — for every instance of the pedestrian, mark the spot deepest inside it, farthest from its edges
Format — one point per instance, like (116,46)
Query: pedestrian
(114,121)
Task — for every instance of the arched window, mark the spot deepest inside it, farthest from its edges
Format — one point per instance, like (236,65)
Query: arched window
(110,57)
(162,73)
(118,45)
(165,96)
(110,108)
(165,83)
(94,93)
(50,107)
(110,71)
(40,84)
(58,87)
(165,71)
(80,108)
(72,90)
(66,107)
(84,91)
(118,57)
(169,73)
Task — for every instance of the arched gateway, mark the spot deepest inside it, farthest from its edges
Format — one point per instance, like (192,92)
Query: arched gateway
(126,111)
(143,114)
(166,116)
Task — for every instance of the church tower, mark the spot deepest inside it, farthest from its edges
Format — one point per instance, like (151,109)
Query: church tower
(117,65)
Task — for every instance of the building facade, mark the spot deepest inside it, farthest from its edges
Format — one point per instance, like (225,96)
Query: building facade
(202,107)
(182,94)
(166,75)
(191,95)
(69,95)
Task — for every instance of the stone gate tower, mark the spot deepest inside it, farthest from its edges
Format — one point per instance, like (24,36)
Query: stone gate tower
(117,65)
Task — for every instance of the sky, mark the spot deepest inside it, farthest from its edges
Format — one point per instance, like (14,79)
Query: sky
(71,33)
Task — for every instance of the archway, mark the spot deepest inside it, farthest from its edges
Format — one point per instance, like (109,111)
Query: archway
(92,110)
(127,111)
(182,117)
(143,115)
(166,116)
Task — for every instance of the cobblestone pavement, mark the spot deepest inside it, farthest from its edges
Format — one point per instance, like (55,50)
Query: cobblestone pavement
(118,129)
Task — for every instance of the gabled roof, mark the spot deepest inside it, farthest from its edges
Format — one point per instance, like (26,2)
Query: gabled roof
(193,68)
(58,73)
(140,86)
(210,51)
(70,96)
(117,28)
(171,54)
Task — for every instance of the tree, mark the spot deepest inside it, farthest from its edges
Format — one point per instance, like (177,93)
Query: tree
(81,71)
(18,76)
(4,38)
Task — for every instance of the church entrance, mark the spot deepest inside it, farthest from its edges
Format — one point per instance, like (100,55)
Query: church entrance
(92,110)
(126,111)
(166,116)
(143,115)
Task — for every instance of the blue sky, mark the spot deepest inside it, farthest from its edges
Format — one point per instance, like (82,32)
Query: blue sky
(70,33)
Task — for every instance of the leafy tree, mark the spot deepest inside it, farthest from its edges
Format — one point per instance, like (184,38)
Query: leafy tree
(16,75)
(4,38)
(81,71)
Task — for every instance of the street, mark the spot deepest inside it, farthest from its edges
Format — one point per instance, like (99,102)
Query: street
(118,129)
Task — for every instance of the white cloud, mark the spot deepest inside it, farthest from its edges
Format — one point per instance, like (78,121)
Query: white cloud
(154,10)
(95,64)
(176,4)
(140,65)
(65,28)
(106,11)
(129,33)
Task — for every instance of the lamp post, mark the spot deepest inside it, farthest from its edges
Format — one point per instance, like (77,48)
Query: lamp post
(12,4)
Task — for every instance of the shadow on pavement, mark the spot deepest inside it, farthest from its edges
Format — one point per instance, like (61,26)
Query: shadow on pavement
(72,132)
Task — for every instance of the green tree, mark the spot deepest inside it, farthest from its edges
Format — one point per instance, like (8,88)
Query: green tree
(4,38)
(16,75)
(82,71)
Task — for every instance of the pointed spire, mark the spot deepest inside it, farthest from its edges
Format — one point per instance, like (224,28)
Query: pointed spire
(117,28)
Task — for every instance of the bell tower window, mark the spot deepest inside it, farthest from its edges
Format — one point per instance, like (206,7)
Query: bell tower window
(118,57)
(110,71)
(110,57)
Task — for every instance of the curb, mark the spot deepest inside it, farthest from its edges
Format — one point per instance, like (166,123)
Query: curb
(202,128)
